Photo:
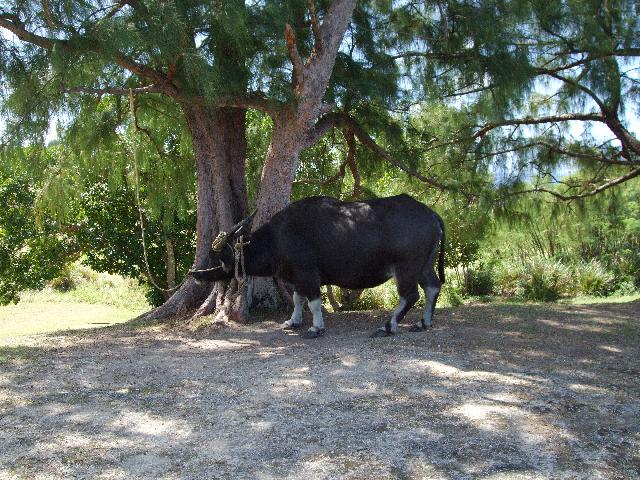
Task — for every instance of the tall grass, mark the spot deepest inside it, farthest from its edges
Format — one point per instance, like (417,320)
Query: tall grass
(80,284)
(548,279)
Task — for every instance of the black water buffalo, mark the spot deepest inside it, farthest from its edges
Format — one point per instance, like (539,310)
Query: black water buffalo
(323,241)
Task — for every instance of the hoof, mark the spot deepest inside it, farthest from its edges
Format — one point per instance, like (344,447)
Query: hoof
(419,328)
(381,332)
(294,326)
(314,333)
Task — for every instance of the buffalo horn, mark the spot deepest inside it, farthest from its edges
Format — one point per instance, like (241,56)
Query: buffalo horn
(223,237)
(242,223)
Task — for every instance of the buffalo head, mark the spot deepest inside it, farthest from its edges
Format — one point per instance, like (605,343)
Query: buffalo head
(220,262)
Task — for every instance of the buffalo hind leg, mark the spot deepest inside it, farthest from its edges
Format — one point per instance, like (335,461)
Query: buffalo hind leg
(431,286)
(308,285)
(408,297)
(296,317)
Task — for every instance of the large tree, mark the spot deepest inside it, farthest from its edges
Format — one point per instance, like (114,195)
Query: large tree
(204,57)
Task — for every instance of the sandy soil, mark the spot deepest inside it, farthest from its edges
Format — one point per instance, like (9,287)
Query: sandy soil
(492,392)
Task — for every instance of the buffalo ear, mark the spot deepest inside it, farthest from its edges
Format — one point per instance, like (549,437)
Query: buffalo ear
(219,242)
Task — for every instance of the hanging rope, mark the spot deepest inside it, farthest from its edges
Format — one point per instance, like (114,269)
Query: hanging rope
(240,272)
(136,181)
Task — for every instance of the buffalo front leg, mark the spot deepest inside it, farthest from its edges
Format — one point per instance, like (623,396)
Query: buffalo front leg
(296,317)
(307,283)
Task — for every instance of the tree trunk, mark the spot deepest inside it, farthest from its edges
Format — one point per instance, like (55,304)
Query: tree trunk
(293,123)
(171,266)
(279,167)
(276,182)
(219,143)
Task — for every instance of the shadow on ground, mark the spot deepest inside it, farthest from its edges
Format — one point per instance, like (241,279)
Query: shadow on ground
(491,392)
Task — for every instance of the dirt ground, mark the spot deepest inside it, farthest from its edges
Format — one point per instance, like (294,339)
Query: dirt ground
(492,392)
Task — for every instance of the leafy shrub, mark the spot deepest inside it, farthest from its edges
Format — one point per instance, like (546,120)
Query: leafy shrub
(546,280)
(594,279)
(539,279)
(64,282)
(31,253)
(625,287)
(479,281)
(382,297)
(452,294)
(508,279)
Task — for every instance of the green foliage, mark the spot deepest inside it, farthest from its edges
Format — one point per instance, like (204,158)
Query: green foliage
(384,296)
(31,253)
(66,212)
(109,235)
(538,279)
(544,280)
(597,232)
(543,252)
(451,294)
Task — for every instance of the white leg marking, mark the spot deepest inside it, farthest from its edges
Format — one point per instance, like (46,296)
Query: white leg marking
(396,312)
(296,316)
(430,293)
(316,309)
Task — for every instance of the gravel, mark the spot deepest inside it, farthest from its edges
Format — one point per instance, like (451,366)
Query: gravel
(492,392)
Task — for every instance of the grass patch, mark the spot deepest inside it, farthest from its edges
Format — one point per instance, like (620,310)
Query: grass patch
(88,286)
(30,318)
(93,300)
(385,297)
(589,300)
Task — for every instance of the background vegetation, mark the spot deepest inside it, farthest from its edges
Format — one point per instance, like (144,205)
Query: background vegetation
(528,249)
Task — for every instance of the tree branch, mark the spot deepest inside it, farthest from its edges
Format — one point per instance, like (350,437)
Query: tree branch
(315,26)
(575,84)
(256,100)
(51,22)
(588,156)
(605,186)
(333,120)
(586,117)
(17,27)
(111,90)
(434,56)
(342,170)
(298,68)
(629,142)
(133,110)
